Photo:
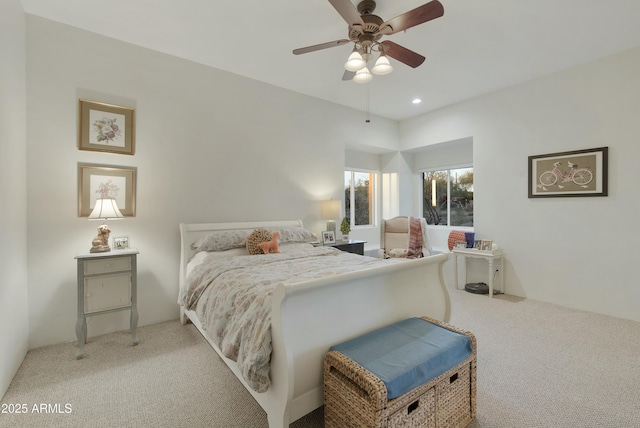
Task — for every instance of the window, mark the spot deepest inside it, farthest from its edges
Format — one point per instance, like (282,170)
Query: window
(447,197)
(359,197)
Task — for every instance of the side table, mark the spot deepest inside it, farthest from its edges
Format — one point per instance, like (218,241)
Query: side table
(494,259)
(351,246)
(107,282)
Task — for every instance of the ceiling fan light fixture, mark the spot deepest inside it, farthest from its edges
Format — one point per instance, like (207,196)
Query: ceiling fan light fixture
(382,66)
(362,76)
(355,61)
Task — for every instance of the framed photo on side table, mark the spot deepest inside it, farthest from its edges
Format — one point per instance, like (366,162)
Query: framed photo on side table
(328,237)
(106,128)
(96,181)
(121,243)
(486,245)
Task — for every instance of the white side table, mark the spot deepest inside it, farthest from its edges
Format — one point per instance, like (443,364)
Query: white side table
(107,282)
(494,259)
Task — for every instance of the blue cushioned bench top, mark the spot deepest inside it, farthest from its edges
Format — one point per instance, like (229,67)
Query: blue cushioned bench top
(408,353)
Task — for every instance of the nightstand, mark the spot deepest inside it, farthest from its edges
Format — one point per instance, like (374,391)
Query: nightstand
(107,282)
(351,246)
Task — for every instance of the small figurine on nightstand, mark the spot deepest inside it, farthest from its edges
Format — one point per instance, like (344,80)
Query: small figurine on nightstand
(100,243)
(345,228)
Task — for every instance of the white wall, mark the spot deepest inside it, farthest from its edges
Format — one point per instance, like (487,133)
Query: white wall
(210,146)
(14,323)
(576,252)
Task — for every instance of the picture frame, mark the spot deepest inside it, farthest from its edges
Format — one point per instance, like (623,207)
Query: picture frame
(117,182)
(486,245)
(121,243)
(106,128)
(460,244)
(328,237)
(573,173)
(478,244)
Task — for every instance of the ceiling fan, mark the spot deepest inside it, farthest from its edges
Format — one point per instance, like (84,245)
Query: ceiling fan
(365,31)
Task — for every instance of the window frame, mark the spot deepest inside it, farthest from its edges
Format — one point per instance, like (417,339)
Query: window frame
(373,203)
(448,168)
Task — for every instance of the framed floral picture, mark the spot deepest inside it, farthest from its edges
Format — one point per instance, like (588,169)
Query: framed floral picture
(106,128)
(103,181)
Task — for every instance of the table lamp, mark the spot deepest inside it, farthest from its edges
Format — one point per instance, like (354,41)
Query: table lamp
(330,210)
(104,209)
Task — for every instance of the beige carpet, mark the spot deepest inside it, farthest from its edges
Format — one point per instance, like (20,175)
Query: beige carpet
(539,365)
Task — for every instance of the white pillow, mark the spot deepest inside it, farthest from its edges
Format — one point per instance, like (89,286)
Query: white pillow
(222,240)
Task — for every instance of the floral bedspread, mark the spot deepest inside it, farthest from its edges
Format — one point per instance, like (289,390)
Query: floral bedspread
(232,298)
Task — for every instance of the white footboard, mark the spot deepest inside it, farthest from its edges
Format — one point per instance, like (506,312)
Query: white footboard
(308,318)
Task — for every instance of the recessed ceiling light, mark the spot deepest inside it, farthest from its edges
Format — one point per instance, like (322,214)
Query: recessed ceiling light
(416,101)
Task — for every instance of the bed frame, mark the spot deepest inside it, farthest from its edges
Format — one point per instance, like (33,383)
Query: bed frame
(308,318)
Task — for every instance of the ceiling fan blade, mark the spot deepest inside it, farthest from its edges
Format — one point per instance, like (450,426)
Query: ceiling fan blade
(348,75)
(320,46)
(419,15)
(348,12)
(402,54)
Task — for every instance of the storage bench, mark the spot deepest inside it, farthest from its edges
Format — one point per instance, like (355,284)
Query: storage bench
(415,373)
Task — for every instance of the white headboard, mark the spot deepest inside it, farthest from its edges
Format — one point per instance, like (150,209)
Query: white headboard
(189,233)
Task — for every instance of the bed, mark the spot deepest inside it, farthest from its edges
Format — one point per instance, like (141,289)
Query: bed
(308,316)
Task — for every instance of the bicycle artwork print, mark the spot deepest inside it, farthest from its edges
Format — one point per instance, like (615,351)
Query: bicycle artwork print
(575,173)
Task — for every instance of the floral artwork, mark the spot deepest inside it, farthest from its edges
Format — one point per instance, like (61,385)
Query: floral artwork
(107,190)
(106,128)
(106,182)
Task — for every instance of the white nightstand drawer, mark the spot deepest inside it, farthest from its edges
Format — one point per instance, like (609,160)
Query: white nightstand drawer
(112,264)
(107,292)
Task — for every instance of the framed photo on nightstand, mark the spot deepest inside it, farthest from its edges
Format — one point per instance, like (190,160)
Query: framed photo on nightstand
(121,243)
(328,237)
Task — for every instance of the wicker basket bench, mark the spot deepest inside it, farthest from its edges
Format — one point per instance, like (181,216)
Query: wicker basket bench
(355,397)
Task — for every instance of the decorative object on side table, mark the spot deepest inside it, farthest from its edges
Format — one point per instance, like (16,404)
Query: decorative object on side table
(106,128)
(105,209)
(328,237)
(345,228)
(330,211)
(121,243)
(486,245)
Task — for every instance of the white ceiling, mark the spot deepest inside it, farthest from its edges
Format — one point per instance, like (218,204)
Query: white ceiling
(478,46)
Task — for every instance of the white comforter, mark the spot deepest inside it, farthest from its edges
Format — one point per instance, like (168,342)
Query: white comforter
(232,298)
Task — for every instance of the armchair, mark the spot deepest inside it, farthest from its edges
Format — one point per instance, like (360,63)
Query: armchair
(394,237)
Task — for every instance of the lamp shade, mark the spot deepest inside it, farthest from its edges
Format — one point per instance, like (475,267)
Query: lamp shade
(362,76)
(355,61)
(105,209)
(330,209)
(383,66)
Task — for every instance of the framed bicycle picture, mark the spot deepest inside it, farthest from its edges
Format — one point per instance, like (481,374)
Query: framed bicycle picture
(575,173)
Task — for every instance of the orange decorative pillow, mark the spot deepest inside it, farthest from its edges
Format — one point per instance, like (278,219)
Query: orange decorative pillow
(455,236)
(255,238)
(270,246)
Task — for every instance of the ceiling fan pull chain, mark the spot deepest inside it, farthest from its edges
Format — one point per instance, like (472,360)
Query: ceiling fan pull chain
(367,120)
